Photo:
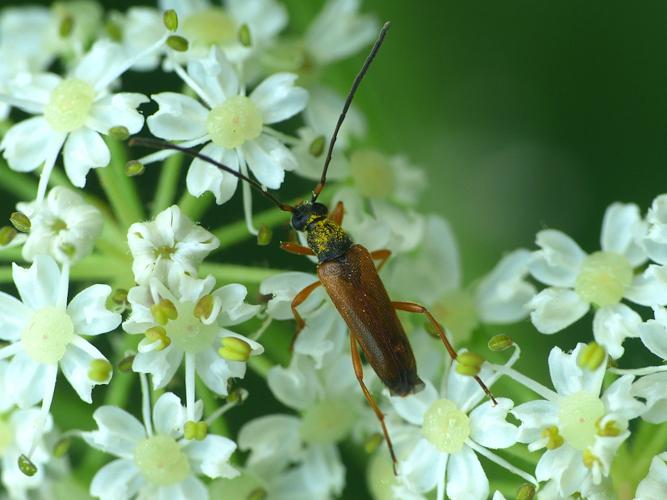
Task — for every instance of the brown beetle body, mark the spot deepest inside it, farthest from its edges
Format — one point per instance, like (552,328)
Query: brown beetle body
(358,293)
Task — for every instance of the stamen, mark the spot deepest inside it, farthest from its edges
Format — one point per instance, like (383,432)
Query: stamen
(501,461)
(190,385)
(146,404)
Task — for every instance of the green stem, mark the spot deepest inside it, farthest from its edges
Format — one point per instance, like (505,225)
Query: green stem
(10,254)
(237,232)
(6,274)
(102,268)
(119,188)
(195,207)
(260,365)
(231,273)
(19,184)
(219,426)
(167,183)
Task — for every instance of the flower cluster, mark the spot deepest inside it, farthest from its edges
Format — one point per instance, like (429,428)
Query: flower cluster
(117,290)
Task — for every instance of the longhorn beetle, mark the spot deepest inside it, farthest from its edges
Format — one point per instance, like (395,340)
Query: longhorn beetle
(348,273)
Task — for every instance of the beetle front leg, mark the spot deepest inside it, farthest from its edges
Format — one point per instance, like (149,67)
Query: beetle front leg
(338,213)
(299,298)
(295,248)
(359,373)
(416,308)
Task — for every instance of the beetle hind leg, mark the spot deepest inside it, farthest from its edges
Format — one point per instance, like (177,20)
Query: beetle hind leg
(299,298)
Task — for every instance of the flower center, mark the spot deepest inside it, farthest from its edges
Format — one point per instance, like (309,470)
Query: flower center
(69,105)
(161,461)
(327,421)
(457,312)
(187,332)
(603,278)
(577,416)
(372,174)
(6,436)
(47,335)
(210,27)
(235,121)
(445,426)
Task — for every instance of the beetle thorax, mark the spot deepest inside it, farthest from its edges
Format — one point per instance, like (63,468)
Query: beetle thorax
(327,239)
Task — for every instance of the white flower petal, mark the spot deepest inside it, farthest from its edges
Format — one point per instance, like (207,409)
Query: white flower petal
(412,408)
(118,432)
(233,308)
(117,110)
(278,98)
(535,416)
(322,113)
(214,371)
(103,63)
(296,386)
(622,228)
(554,309)
(273,441)
(179,117)
(422,465)
(203,176)
(618,399)
(651,389)
(558,261)
(28,380)
(654,485)
(612,325)
(215,76)
(14,315)
(488,425)
(75,365)
(23,145)
(565,467)
(169,415)
(211,456)
(568,378)
(268,158)
(191,488)
(265,18)
(160,364)
(466,479)
(89,313)
(464,390)
(38,285)
(117,479)
(84,149)
(34,88)
(283,287)
(654,336)
(650,287)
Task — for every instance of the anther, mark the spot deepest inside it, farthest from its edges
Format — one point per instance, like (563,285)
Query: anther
(244,35)
(100,370)
(134,168)
(591,356)
(61,447)
(26,466)
(469,363)
(264,235)
(204,307)
(499,343)
(177,43)
(7,234)
(170,19)
(119,132)
(164,311)
(316,147)
(525,492)
(234,349)
(20,221)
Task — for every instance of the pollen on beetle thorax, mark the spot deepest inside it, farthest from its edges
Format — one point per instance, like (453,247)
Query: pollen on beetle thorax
(69,105)
(372,174)
(445,426)
(161,460)
(603,278)
(234,122)
(47,335)
(210,27)
(577,417)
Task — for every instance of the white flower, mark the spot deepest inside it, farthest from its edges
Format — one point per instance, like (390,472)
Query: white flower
(651,389)
(45,333)
(653,333)
(63,225)
(71,113)
(581,429)
(18,431)
(604,278)
(655,241)
(141,27)
(158,464)
(231,124)
(433,276)
(170,243)
(194,326)
(439,435)
(654,485)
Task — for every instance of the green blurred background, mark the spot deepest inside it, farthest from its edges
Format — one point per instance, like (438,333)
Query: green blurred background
(525,115)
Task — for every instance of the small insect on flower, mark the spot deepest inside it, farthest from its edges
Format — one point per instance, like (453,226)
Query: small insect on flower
(348,273)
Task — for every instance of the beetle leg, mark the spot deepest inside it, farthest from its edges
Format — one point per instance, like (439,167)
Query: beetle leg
(359,372)
(338,213)
(382,255)
(299,298)
(295,248)
(416,308)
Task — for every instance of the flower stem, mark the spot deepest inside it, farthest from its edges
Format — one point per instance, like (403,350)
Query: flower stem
(195,207)
(230,273)
(18,184)
(167,183)
(260,365)
(6,274)
(11,254)
(119,188)
(217,424)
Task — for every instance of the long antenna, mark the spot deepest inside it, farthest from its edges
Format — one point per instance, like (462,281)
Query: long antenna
(159,144)
(348,100)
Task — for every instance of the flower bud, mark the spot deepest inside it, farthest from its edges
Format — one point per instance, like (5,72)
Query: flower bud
(26,466)
(7,234)
(525,492)
(177,43)
(134,168)
(244,35)
(499,343)
(170,19)
(164,311)
(119,132)
(591,356)
(234,349)
(20,221)
(316,147)
(469,363)
(100,370)
(264,235)
(61,447)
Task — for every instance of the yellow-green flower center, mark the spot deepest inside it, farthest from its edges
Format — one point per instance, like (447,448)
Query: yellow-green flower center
(234,122)
(47,335)
(603,278)
(457,312)
(6,436)
(210,27)
(372,174)
(69,105)
(187,332)
(577,416)
(445,426)
(327,421)
(161,460)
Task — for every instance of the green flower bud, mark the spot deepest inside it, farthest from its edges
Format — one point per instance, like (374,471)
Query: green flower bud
(119,132)
(170,19)
(591,356)
(177,43)
(100,370)
(164,311)
(244,35)
(525,492)
(500,342)
(264,235)
(316,147)
(134,168)
(20,221)
(469,363)
(234,349)
(204,307)
(62,447)
(7,234)
(26,466)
